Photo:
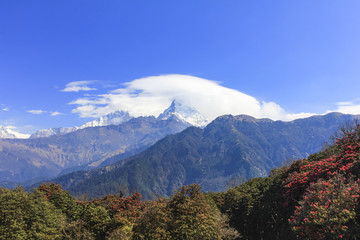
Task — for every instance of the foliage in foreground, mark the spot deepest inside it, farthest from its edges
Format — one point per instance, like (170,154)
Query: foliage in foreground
(314,198)
(28,216)
(52,213)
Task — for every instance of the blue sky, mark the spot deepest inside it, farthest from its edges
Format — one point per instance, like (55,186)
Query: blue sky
(284,57)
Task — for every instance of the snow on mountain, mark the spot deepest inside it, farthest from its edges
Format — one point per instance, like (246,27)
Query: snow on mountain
(53,131)
(184,113)
(8,132)
(176,110)
(114,118)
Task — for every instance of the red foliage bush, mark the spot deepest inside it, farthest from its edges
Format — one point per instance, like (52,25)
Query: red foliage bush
(344,161)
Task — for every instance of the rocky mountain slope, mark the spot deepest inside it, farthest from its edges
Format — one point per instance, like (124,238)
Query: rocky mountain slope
(230,147)
(184,113)
(64,150)
(180,112)
(23,160)
(53,131)
(115,118)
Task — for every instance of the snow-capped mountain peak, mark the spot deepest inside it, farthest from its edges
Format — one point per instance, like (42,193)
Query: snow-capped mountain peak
(177,110)
(8,132)
(184,113)
(53,131)
(114,118)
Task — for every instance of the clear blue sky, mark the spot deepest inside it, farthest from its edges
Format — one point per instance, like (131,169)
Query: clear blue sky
(302,55)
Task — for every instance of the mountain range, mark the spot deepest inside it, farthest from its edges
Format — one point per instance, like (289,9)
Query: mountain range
(230,147)
(156,155)
(8,132)
(114,118)
(177,110)
(184,113)
(60,151)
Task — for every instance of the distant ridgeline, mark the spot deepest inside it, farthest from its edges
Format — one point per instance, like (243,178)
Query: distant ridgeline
(230,149)
(56,151)
(313,198)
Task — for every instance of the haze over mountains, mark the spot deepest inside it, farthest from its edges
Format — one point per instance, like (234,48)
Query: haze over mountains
(177,110)
(153,155)
(86,147)
(229,148)
(114,118)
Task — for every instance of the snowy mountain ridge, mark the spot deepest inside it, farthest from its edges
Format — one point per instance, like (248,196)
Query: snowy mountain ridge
(53,131)
(8,132)
(176,110)
(114,118)
(184,113)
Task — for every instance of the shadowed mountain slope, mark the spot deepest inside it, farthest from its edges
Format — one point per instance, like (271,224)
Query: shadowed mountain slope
(230,147)
(25,159)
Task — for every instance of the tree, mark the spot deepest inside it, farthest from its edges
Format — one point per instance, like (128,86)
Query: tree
(327,210)
(123,212)
(190,215)
(28,216)
(97,220)
(224,231)
(76,230)
(153,223)
(61,199)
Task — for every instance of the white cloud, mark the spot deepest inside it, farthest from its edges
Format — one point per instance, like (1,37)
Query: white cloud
(78,86)
(272,110)
(9,127)
(350,107)
(38,112)
(4,107)
(293,116)
(151,95)
(55,114)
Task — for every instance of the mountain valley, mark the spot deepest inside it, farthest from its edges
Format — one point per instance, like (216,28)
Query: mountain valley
(229,148)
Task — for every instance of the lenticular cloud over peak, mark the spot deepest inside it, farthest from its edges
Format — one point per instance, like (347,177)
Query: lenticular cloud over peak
(152,95)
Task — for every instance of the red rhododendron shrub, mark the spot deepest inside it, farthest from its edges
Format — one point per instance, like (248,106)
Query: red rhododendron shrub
(345,160)
(327,210)
(61,199)
(124,210)
(50,189)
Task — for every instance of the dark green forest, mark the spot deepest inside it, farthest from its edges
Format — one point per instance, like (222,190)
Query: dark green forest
(313,198)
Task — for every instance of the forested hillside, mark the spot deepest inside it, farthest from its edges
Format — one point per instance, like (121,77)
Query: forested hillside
(313,198)
(229,148)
